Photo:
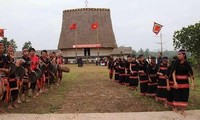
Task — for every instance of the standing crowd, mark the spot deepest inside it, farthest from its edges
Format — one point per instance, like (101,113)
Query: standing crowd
(29,74)
(156,78)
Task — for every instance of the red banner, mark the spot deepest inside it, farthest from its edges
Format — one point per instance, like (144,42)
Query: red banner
(94,26)
(2,33)
(156,28)
(87,46)
(73,26)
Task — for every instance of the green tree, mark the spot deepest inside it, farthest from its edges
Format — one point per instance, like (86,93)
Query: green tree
(7,42)
(146,52)
(27,45)
(13,43)
(189,38)
(134,52)
(141,51)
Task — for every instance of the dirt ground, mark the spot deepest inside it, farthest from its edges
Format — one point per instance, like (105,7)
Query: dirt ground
(88,90)
(93,92)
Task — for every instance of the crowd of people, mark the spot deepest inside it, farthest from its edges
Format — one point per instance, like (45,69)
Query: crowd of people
(167,82)
(29,74)
(155,77)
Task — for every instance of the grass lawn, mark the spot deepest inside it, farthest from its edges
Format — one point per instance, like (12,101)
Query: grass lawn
(90,84)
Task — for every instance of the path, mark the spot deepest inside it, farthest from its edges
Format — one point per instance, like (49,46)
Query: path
(192,115)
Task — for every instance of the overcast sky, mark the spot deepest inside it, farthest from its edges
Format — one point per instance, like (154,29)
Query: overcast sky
(39,21)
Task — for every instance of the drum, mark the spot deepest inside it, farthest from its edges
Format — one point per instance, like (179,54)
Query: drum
(52,68)
(63,68)
(52,77)
(42,67)
(33,77)
(12,68)
(5,87)
(20,72)
(39,73)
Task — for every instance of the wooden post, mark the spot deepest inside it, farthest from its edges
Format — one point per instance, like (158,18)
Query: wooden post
(76,44)
(98,33)
(97,41)
(161,43)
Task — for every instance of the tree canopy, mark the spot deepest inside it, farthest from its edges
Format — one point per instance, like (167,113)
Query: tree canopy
(7,42)
(188,38)
(27,45)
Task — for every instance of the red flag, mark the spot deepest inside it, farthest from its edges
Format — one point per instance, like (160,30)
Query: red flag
(94,26)
(73,26)
(156,28)
(2,33)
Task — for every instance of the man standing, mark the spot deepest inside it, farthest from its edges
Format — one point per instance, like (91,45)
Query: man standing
(159,59)
(34,65)
(80,62)
(59,62)
(23,92)
(111,67)
(45,60)
(116,69)
(3,71)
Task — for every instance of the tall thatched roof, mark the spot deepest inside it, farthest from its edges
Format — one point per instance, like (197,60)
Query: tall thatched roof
(84,18)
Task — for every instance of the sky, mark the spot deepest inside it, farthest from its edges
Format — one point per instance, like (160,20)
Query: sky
(39,21)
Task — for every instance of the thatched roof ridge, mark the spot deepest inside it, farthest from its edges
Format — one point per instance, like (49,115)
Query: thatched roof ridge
(84,18)
(87,9)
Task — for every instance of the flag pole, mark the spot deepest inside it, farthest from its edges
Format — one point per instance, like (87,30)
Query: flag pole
(76,43)
(98,41)
(98,33)
(161,43)
(156,29)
